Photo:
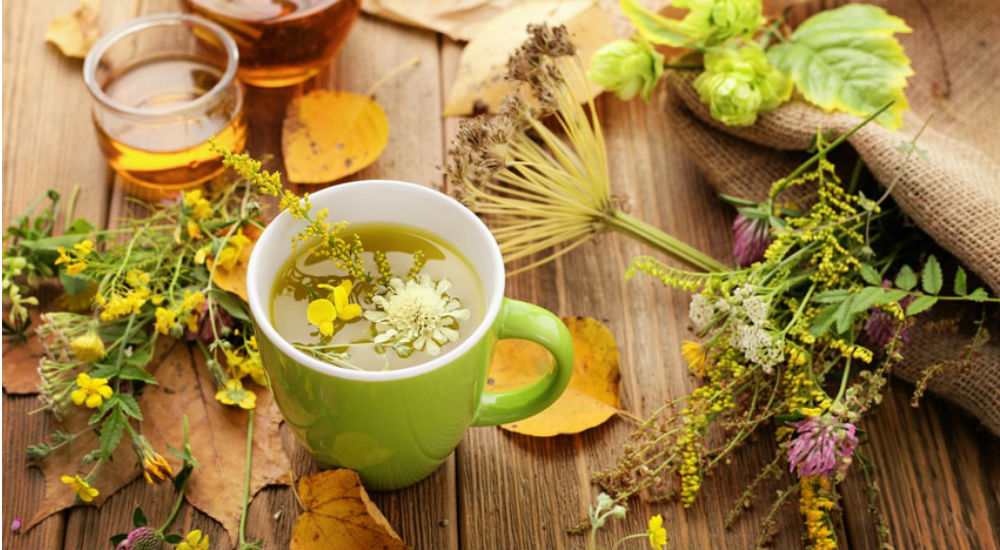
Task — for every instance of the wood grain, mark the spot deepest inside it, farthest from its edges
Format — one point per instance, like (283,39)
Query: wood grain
(939,474)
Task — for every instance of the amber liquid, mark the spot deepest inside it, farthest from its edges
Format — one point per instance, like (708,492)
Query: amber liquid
(173,153)
(281,42)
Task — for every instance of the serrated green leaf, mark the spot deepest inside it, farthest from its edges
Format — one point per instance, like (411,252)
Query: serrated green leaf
(978,295)
(931,278)
(920,304)
(894,295)
(960,282)
(845,315)
(868,297)
(906,278)
(131,372)
(128,404)
(831,296)
(848,59)
(111,432)
(870,275)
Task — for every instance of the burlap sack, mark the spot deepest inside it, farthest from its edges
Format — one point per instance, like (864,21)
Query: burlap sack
(953,194)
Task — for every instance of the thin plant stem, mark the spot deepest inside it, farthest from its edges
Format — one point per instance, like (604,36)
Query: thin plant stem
(633,227)
(246,481)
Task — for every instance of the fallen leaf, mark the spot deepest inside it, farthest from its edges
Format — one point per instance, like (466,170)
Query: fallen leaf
(592,395)
(76,32)
(337,514)
(235,280)
(218,437)
(459,20)
(331,134)
(480,81)
(20,363)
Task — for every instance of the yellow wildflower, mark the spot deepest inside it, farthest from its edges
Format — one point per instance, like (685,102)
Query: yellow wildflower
(137,279)
(194,540)
(252,366)
(200,208)
(83,490)
(341,300)
(76,262)
(694,353)
(322,313)
(87,347)
(235,394)
(193,230)
(91,391)
(153,463)
(230,255)
(815,503)
(202,254)
(166,319)
(657,534)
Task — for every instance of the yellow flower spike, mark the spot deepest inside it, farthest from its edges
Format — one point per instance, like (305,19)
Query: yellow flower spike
(87,347)
(322,313)
(194,540)
(657,534)
(166,319)
(345,310)
(91,391)
(83,490)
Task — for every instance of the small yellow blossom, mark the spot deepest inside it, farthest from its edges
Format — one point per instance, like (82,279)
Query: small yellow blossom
(229,256)
(153,463)
(657,534)
(91,391)
(83,490)
(200,208)
(194,540)
(202,254)
(193,230)
(322,313)
(235,394)
(76,262)
(694,353)
(87,347)
(166,319)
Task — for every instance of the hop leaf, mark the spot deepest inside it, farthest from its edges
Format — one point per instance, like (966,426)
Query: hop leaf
(709,23)
(627,67)
(738,84)
(848,59)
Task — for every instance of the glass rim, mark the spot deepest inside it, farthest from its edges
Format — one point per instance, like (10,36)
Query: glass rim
(146,22)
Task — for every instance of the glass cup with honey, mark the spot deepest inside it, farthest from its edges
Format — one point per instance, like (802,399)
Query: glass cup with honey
(281,42)
(164,85)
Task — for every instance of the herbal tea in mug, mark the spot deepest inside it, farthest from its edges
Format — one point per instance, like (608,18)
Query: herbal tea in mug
(163,85)
(424,300)
(281,42)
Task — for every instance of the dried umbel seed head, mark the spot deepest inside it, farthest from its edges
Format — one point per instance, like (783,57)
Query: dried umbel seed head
(532,62)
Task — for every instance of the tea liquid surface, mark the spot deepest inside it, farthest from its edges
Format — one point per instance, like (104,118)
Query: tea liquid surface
(299,279)
(174,149)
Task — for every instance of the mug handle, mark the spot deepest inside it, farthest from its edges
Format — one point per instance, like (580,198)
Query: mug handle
(529,322)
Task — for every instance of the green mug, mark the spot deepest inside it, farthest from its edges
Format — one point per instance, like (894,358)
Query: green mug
(396,427)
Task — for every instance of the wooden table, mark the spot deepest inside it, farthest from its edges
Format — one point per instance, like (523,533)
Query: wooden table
(940,473)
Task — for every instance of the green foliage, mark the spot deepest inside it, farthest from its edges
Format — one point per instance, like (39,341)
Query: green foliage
(848,59)
(931,278)
(627,67)
(738,84)
(906,278)
(707,24)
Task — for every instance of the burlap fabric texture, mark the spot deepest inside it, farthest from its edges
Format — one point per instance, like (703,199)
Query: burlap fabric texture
(953,194)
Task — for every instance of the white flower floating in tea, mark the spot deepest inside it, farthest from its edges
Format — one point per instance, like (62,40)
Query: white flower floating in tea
(418,312)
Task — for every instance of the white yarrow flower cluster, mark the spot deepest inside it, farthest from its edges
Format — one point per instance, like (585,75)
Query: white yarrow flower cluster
(747,313)
(701,311)
(418,313)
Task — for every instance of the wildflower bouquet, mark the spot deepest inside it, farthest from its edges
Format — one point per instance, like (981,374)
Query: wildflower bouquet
(801,335)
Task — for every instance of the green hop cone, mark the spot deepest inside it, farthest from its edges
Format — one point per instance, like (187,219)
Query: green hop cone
(712,22)
(738,84)
(627,68)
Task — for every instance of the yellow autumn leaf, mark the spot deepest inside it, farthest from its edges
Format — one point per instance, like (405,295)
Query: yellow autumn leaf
(480,83)
(592,395)
(337,514)
(234,279)
(76,32)
(331,134)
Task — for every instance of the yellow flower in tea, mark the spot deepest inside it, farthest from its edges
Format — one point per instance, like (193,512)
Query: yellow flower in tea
(83,490)
(419,313)
(657,534)
(91,391)
(87,347)
(194,540)
(200,207)
(324,312)
(228,256)
(235,394)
